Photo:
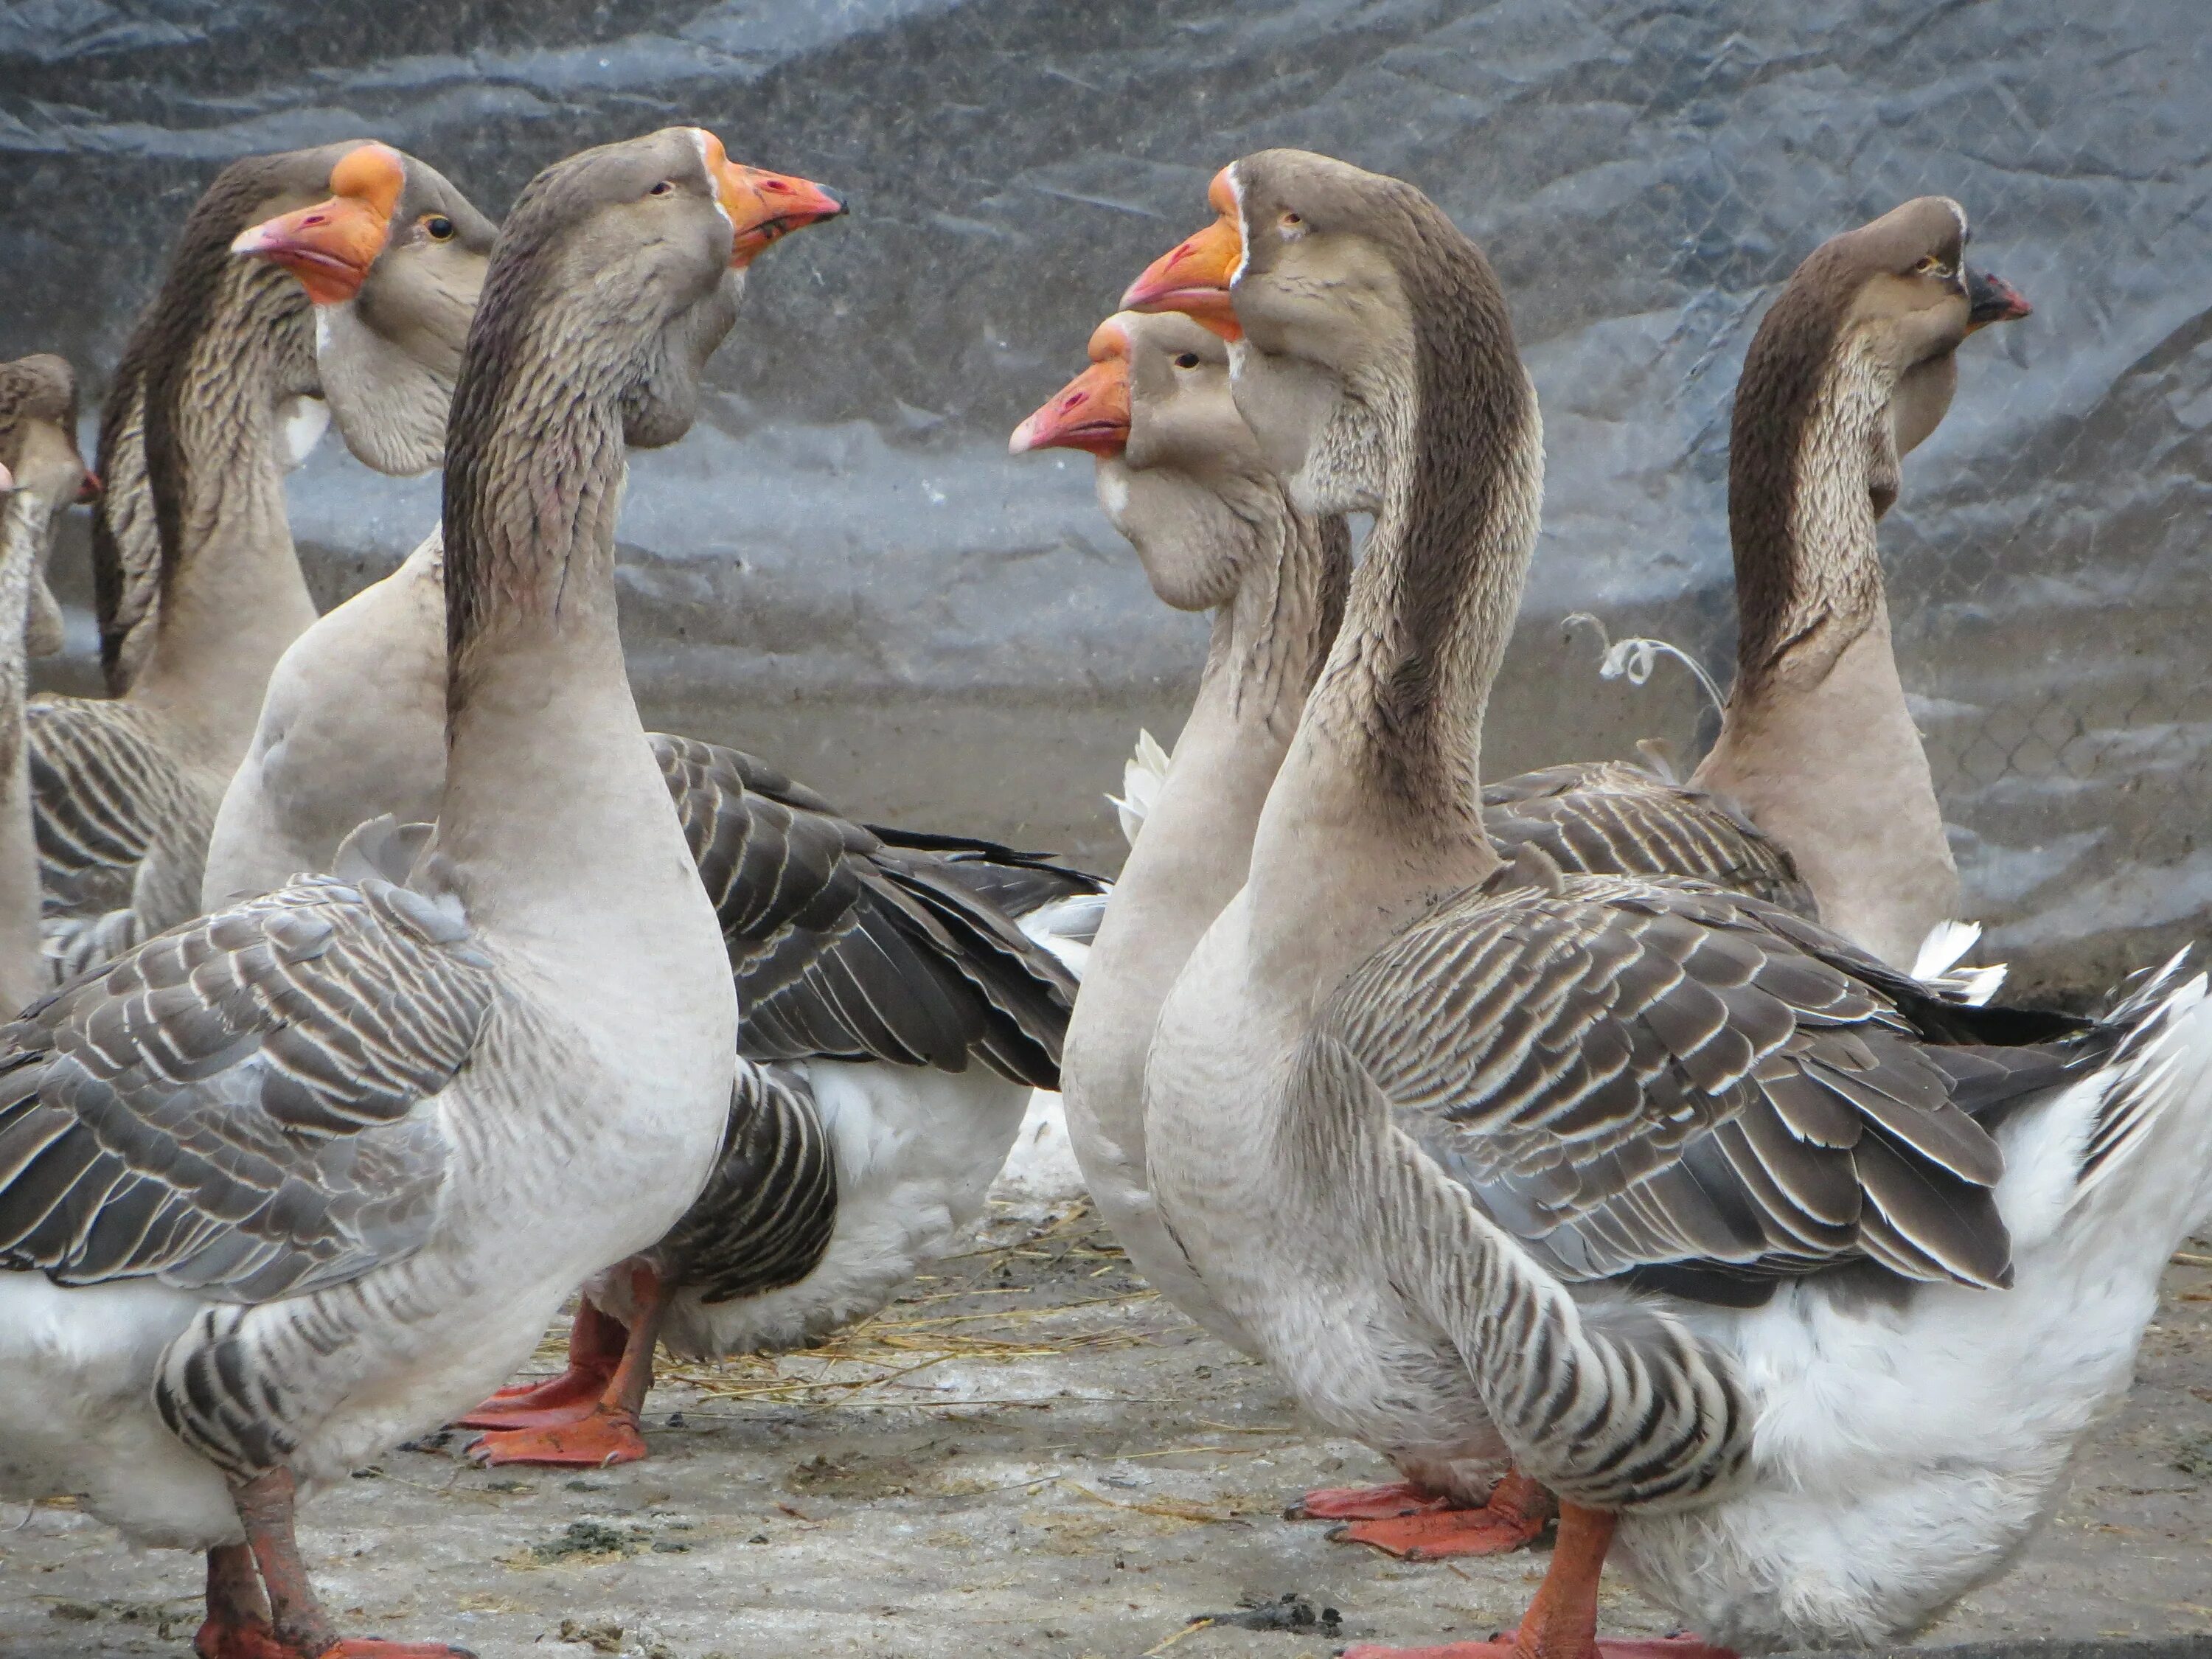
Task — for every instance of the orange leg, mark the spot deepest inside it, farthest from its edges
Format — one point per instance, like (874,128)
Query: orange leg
(1418,1528)
(596,1341)
(1561,1623)
(237,1624)
(607,1433)
(297,1627)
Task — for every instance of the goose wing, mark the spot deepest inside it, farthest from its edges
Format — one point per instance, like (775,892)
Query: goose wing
(1016,882)
(1613,818)
(846,948)
(237,1105)
(764,1219)
(1671,1082)
(101,792)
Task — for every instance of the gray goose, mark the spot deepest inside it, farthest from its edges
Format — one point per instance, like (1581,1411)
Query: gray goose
(901,1016)
(897,1017)
(1793,1280)
(1179,475)
(1817,796)
(41,474)
(296,1181)
(1814,465)
(127,789)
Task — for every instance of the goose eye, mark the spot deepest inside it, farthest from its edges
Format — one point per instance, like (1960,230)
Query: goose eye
(438,227)
(1292,220)
(1186,360)
(665,187)
(1932,265)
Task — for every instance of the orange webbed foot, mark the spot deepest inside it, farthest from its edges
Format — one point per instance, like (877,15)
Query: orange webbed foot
(562,1399)
(1508,1647)
(232,1639)
(1439,1535)
(603,1437)
(1384,1503)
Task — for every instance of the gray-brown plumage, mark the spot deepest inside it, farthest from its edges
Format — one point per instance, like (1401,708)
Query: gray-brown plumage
(1853,364)
(846,948)
(126,790)
(767,1214)
(1667,1082)
(1615,817)
(1499,1172)
(229,1110)
(41,474)
(39,449)
(347,1145)
(1810,470)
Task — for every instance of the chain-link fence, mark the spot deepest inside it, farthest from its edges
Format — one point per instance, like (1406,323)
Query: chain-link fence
(842,568)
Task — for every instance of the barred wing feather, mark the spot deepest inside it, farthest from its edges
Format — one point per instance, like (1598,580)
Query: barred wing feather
(236,1106)
(1661,1080)
(846,947)
(1611,818)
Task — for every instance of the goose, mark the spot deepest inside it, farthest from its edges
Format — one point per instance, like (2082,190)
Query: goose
(1817,795)
(293,1182)
(47,476)
(1803,507)
(127,789)
(1797,1284)
(41,474)
(900,1015)
(1179,475)
(896,1021)
(1620,818)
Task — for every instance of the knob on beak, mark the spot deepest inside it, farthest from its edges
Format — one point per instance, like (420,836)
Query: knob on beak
(1194,276)
(331,246)
(1091,411)
(764,206)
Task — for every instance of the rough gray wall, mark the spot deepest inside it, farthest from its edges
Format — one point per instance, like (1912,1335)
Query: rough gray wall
(842,569)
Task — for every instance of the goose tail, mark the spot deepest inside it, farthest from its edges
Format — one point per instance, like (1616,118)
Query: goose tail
(1938,965)
(1142,776)
(2156,1090)
(1066,927)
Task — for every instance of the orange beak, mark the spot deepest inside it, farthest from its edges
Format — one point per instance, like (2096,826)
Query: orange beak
(1091,411)
(1194,276)
(331,246)
(764,206)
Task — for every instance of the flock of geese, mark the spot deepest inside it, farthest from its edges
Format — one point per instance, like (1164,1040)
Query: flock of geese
(1603,1149)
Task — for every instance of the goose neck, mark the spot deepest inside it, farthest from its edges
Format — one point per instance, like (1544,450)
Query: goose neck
(1268,643)
(232,595)
(1378,811)
(1817,740)
(1194,851)
(23,528)
(551,791)
(1801,520)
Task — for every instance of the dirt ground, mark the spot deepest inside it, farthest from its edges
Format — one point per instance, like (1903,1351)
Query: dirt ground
(1029,1454)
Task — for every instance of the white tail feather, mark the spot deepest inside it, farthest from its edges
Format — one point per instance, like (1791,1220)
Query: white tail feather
(1142,779)
(1936,964)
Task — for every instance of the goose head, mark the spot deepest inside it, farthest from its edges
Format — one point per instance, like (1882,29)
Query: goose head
(41,474)
(1330,271)
(1879,311)
(638,248)
(1180,474)
(392,261)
